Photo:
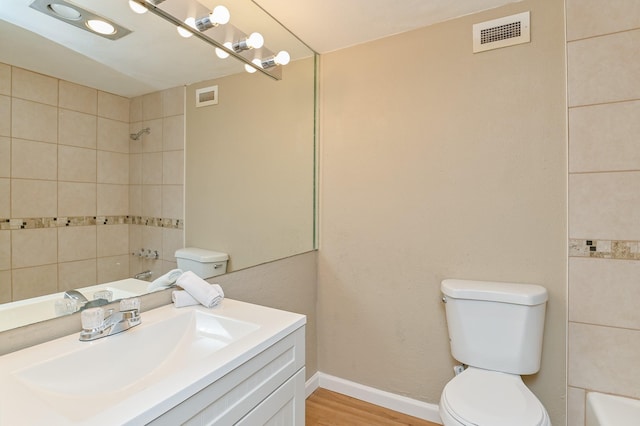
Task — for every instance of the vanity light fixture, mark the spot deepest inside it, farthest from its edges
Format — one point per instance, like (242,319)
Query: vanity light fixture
(219,16)
(257,63)
(80,18)
(254,41)
(282,58)
(221,53)
(140,8)
(190,21)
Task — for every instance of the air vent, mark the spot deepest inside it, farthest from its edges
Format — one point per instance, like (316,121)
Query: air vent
(501,32)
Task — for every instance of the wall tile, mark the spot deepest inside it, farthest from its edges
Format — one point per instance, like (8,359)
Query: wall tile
(33,198)
(152,106)
(77,128)
(76,199)
(34,160)
(135,200)
(604,69)
(173,133)
(113,107)
(135,169)
(76,243)
(81,273)
(34,247)
(152,168)
(152,200)
(599,358)
(113,167)
(5,250)
(76,164)
(173,101)
(152,142)
(172,240)
(23,126)
(5,79)
(113,268)
(113,200)
(5,157)
(113,135)
(135,109)
(173,168)
(604,292)
(604,137)
(113,240)
(78,98)
(173,201)
(34,87)
(5,194)
(36,281)
(135,147)
(575,406)
(588,18)
(604,206)
(152,238)
(5,287)
(5,116)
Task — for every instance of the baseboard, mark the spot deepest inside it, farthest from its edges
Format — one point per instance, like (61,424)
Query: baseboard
(402,404)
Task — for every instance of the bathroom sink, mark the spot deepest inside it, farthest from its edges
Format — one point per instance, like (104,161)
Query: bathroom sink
(168,357)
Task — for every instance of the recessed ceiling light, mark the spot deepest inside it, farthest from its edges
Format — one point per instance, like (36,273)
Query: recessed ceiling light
(101,27)
(66,12)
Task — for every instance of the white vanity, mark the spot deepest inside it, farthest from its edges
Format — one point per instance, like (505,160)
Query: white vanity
(236,363)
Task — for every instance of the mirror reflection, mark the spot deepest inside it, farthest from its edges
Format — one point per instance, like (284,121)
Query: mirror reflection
(97,136)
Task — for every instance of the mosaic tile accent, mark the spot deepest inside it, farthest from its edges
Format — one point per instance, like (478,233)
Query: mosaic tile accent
(605,249)
(55,222)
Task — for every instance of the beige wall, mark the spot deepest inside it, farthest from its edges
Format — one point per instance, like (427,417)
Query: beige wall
(438,163)
(249,166)
(604,182)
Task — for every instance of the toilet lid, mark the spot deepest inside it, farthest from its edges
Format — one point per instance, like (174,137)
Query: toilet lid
(481,397)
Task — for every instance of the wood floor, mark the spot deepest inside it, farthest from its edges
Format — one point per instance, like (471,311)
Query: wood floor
(326,408)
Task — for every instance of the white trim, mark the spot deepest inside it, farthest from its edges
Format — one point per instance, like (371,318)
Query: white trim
(402,404)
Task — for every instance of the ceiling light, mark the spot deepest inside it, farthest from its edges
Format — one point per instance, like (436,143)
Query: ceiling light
(282,58)
(248,68)
(254,41)
(101,27)
(64,11)
(190,21)
(219,16)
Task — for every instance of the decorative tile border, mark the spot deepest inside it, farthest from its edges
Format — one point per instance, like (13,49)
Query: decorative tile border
(56,222)
(605,249)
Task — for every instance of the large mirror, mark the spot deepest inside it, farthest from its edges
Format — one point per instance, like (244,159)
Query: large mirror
(107,165)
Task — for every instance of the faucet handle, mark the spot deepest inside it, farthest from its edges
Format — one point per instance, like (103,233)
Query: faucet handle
(92,318)
(129,304)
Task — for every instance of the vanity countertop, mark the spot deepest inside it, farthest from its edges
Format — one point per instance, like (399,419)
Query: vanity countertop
(135,376)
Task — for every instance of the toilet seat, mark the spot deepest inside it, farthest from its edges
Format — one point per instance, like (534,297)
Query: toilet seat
(479,397)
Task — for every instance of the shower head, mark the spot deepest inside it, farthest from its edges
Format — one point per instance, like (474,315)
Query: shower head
(136,136)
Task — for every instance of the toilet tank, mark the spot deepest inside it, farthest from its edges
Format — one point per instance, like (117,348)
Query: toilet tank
(496,326)
(204,263)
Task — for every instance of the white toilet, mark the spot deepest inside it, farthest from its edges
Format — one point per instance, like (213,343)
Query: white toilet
(496,330)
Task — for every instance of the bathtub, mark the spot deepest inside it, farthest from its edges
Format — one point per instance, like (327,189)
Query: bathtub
(29,311)
(610,410)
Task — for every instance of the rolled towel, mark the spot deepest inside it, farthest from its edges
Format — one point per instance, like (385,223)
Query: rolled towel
(182,298)
(207,294)
(165,281)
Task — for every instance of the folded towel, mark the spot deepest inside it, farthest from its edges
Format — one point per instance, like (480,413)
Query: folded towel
(182,298)
(165,281)
(207,294)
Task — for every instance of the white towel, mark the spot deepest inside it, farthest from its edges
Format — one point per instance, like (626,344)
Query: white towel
(165,281)
(207,294)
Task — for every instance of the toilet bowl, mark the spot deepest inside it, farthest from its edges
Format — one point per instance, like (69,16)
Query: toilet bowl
(496,329)
(479,397)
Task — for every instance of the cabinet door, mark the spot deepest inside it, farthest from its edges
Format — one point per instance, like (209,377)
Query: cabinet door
(284,407)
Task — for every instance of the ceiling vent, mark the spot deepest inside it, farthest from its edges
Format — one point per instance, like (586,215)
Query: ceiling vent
(501,32)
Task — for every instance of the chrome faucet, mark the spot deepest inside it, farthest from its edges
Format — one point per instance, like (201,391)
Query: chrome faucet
(75,295)
(95,324)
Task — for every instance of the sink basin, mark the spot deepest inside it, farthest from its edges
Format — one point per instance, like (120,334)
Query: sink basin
(132,377)
(130,361)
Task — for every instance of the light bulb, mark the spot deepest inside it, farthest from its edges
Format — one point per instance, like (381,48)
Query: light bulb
(220,15)
(255,41)
(248,68)
(221,53)
(184,32)
(137,7)
(282,58)
(101,27)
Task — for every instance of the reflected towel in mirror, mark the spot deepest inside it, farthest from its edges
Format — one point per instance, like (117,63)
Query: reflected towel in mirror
(165,281)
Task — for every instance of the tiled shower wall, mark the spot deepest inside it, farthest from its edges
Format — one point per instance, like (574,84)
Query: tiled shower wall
(604,200)
(68,213)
